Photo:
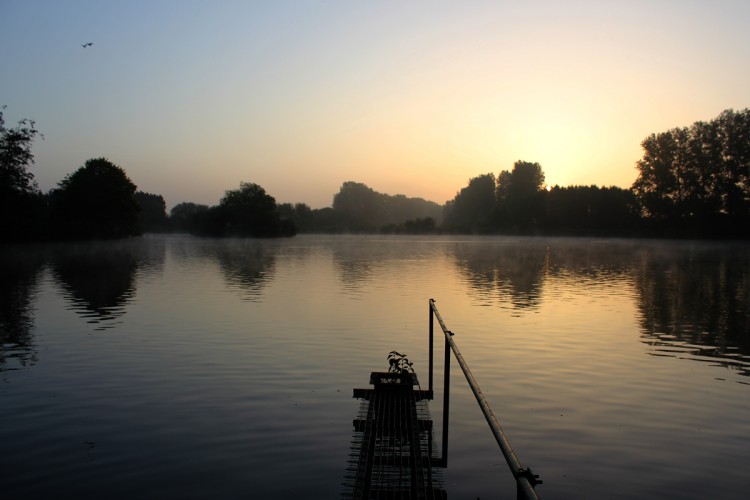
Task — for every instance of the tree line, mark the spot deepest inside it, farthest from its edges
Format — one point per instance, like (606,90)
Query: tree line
(517,202)
(99,201)
(696,179)
(692,182)
(356,208)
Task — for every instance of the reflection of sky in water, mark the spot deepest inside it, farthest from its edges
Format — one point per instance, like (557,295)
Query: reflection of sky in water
(606,363)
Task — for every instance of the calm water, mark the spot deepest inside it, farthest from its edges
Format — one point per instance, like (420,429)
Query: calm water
(173,367)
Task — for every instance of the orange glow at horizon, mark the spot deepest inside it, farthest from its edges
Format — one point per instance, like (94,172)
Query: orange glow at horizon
(405,99)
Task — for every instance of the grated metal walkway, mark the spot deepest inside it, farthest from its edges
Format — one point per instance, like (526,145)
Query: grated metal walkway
(393,456)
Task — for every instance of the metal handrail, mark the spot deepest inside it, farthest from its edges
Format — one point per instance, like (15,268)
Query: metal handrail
(525,479)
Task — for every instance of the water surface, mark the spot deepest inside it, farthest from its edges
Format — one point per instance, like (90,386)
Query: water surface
(169,366)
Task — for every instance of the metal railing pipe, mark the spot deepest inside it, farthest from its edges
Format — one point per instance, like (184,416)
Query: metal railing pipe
(431,347)
(525,479)
(446,402)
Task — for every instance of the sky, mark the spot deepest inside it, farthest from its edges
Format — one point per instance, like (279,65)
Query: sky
(416,98)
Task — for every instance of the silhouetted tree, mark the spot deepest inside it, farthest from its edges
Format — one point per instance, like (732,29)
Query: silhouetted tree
(590,211)
(327,220)
(519,198)
(503,186)
(472,208)
(399,208)
(299,213)
(526,179)
(360,208)
(152,217)
(658,184)
(16,156)
(95,201)
(247,211)
(696,181)
(524,198)
(21,204)
(734,143)
(183,216)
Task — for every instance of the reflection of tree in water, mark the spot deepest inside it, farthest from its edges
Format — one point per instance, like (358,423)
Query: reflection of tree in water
(504,272)
(19,271)
(359,259)
(514,271)
(98,278)
(355,266)
(695,303)
(151,253)
(248,265)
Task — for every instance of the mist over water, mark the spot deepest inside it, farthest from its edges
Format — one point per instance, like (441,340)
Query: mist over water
(170,366)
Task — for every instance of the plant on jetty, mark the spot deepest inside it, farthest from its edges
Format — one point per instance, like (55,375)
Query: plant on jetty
(399,363)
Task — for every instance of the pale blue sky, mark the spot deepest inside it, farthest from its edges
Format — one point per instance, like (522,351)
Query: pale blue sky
(191,98)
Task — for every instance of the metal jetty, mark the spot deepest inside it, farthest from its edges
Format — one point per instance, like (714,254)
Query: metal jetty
(393,454)
(392,450)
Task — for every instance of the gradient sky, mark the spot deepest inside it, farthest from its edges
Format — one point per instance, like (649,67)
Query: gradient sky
(192,97)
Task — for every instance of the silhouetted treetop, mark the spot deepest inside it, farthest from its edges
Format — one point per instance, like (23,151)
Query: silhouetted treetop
(153,212)
(520,197)
(249,197)
(589,211)
(22,207)
(472,208)
(698,176)
(183,216)
(247,211)
(358,207)
(95,201)
(526,178)
(16,156)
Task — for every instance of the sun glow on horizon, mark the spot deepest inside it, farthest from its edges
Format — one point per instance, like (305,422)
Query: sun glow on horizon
(300,99)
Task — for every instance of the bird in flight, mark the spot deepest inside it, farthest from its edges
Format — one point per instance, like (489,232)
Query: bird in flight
(87,44)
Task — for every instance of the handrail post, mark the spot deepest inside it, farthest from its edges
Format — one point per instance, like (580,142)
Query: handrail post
(446,401)
(432,321)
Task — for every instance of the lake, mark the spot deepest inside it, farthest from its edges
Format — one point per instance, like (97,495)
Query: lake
(177,367)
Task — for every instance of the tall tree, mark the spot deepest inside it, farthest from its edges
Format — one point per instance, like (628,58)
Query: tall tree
(519,197)
(359,206)
(503,185)
(472,208)
(299,213)
(734,137)
(22,209)
(589,211)
(95,201)
(184,216)
(247,211)
(527,178)
(657,185)
(16,157)
(697,179)
(153,212)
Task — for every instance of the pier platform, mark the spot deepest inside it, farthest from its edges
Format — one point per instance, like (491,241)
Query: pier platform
(393,454)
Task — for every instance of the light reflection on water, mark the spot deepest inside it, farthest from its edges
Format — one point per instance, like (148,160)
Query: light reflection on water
(180,367)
